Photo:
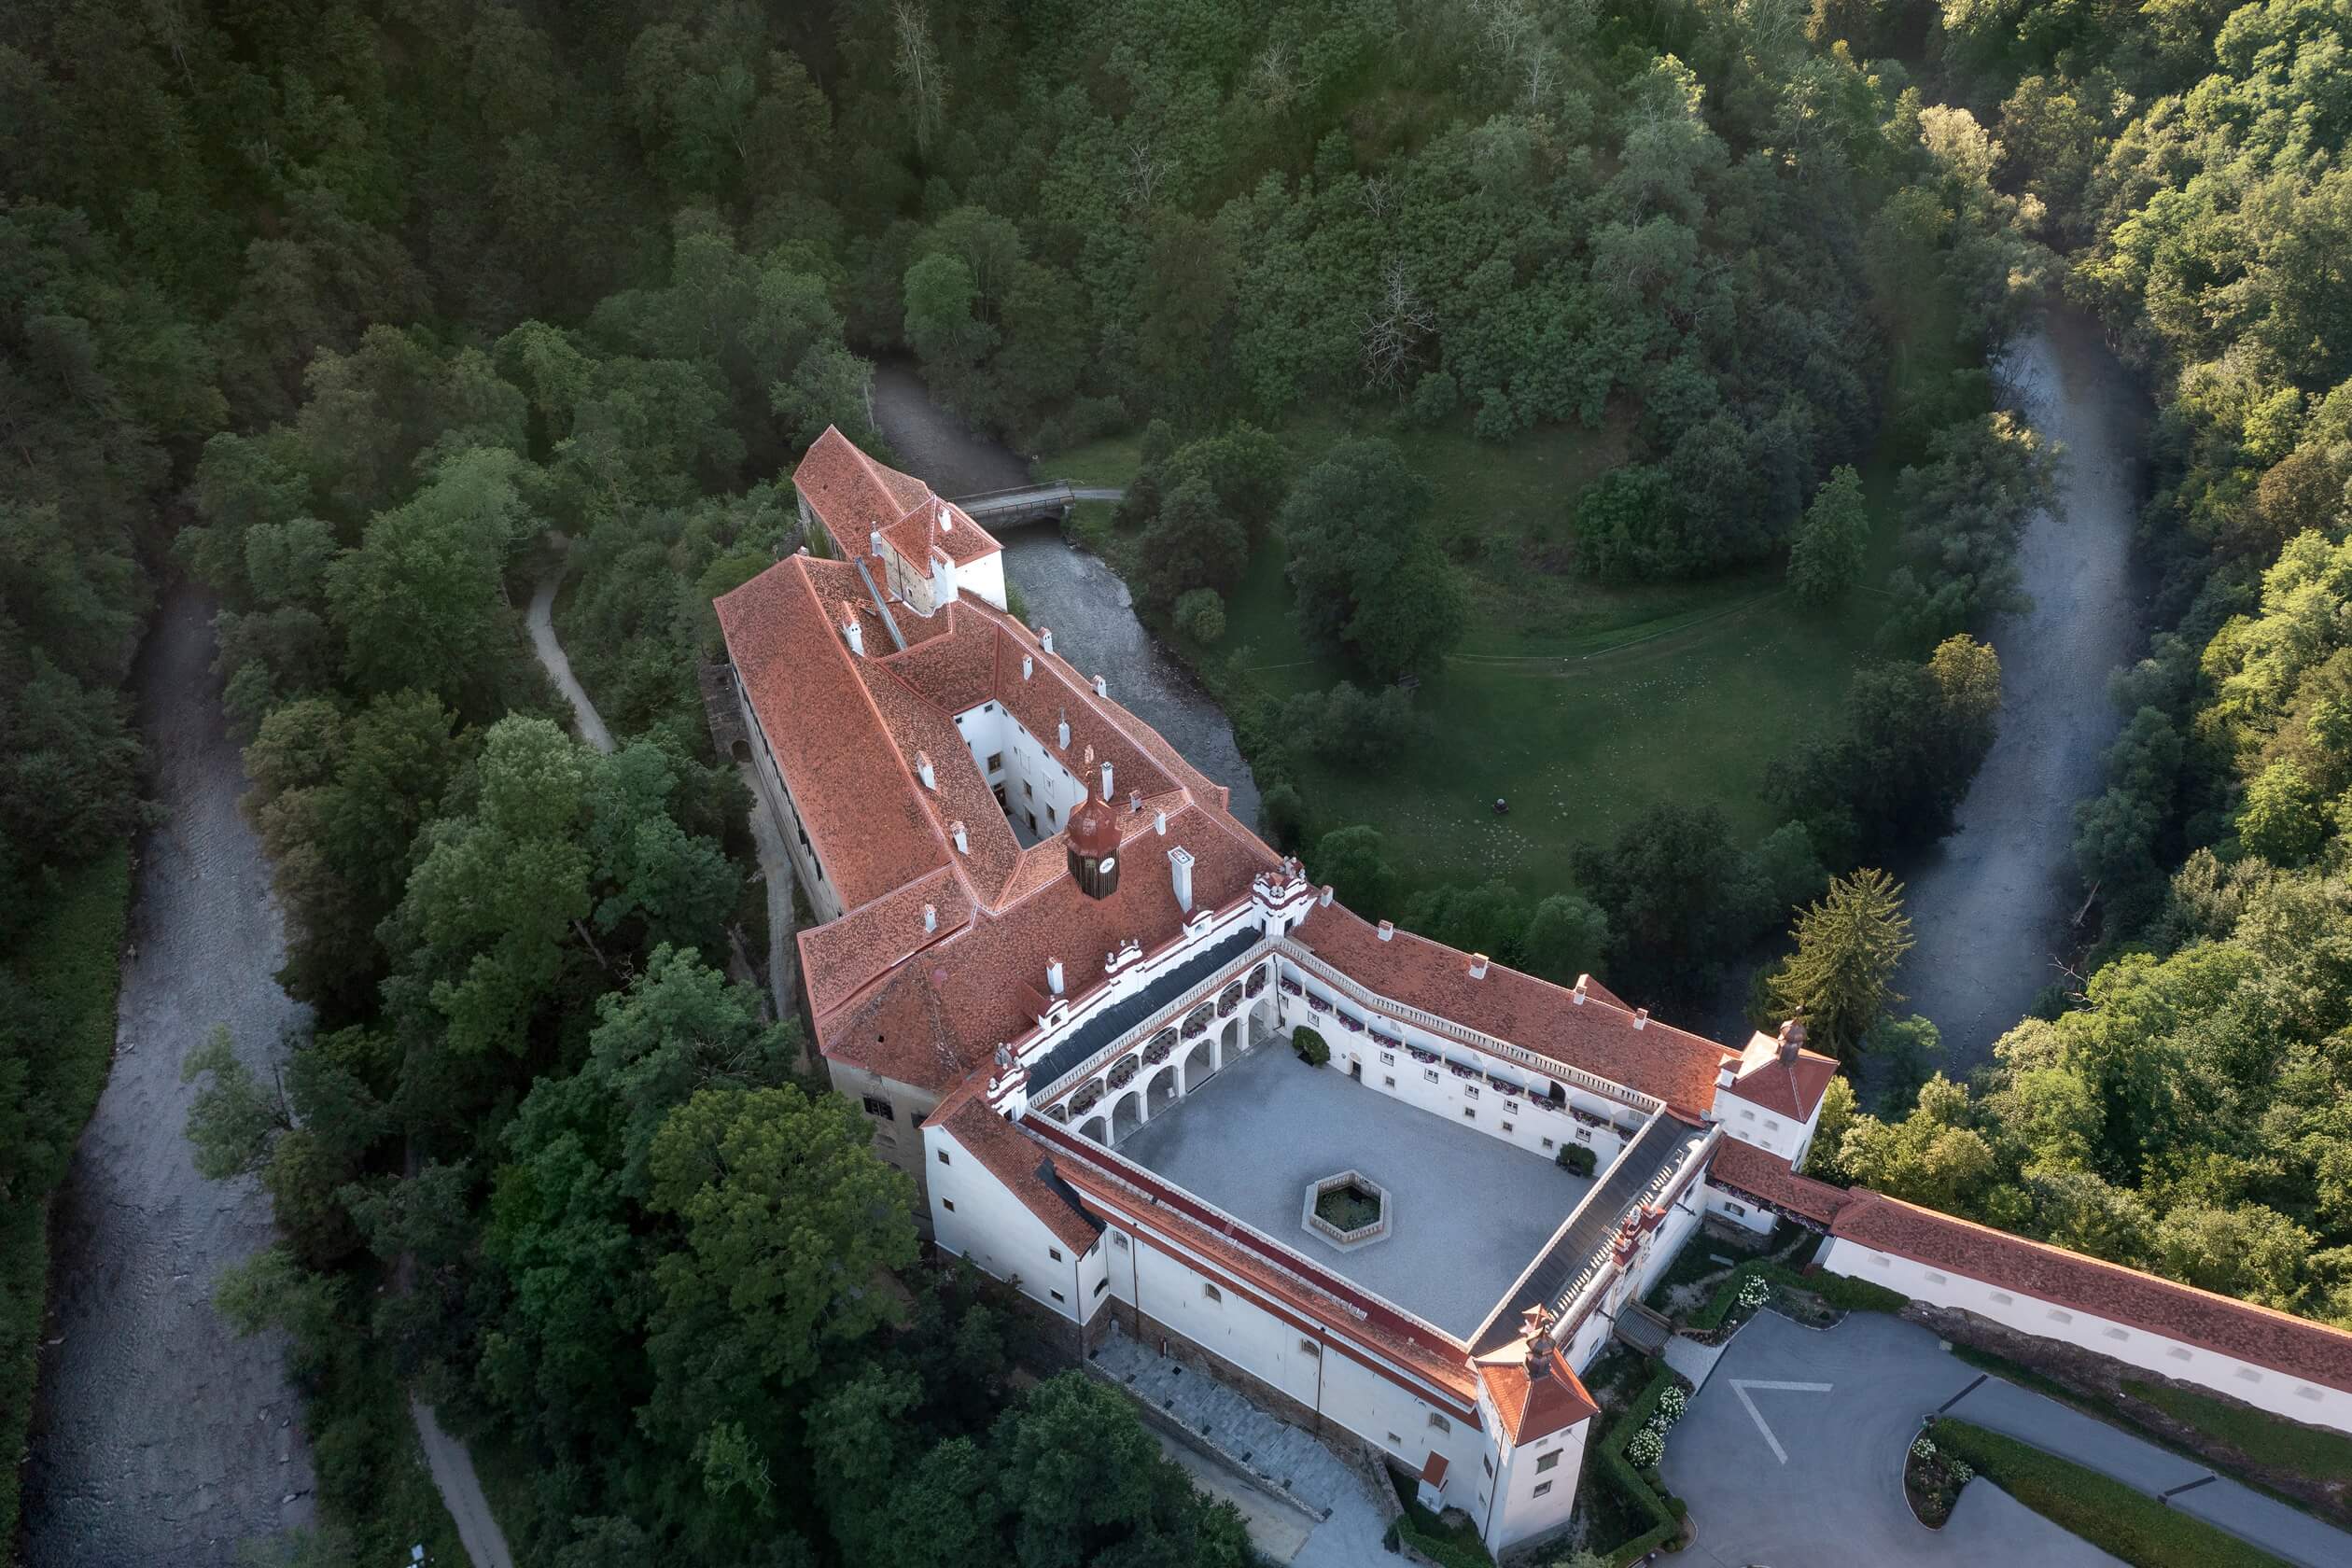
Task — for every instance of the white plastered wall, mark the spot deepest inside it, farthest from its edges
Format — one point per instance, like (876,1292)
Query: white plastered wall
(974,1215)
(1033,776)
(982,578)
(2281,1392)
(1768,1130)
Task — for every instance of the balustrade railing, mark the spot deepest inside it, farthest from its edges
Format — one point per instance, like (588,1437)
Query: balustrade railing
(1127,1040)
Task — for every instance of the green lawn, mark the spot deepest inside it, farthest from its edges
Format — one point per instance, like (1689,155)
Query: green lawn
(1582,703)
(2323,1456)
(2117,1520)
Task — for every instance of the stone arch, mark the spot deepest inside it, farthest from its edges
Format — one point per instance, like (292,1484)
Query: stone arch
(1229,1037)
(1127,1114)
(1200,1065)
(740,750)
(1124,1073)
(1162,1091)
(1262,1026)
(1096,1128)
(1229,1000)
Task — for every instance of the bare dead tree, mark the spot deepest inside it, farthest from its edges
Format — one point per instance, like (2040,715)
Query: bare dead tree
(1374,193)
(1271,79)
(1394,329)
(1538,75)
(917,65)
(1144,172)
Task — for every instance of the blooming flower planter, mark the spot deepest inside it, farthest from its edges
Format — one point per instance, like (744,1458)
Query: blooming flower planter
(1294,988)
(1123,1075)
(1317,1004)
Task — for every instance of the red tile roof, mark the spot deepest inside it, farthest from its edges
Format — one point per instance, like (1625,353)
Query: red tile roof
(1535,1402)
(858,801)
(1769,1176)
(1598,1036)
(1434,1468)
(2296,1347)
(850,493)
(1787,1088)
(1016,1162)
(934,525)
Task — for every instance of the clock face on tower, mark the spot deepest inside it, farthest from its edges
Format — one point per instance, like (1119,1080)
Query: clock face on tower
(1110,862)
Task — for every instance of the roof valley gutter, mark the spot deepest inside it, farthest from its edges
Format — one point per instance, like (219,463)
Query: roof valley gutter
(890,623)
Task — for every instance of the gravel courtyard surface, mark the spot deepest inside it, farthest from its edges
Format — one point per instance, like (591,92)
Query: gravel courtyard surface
(1469,1212)
(160,1438)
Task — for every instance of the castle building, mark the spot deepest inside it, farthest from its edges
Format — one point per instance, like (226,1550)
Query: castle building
(1043,937)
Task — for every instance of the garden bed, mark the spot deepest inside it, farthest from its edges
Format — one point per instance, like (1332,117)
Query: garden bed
(1932,1479)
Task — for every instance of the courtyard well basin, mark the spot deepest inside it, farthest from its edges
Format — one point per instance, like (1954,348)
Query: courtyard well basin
(1467,1212)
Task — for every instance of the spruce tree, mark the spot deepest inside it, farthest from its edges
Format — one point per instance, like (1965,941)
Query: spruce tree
(1847,947)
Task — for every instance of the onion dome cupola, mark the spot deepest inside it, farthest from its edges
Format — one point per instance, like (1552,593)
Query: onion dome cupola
(1093,836)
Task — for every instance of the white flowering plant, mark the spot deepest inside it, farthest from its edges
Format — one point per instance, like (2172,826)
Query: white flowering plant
(1645,1448)
(1754,1292)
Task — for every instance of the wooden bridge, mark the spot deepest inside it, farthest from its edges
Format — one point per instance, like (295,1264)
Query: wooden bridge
(1031,503)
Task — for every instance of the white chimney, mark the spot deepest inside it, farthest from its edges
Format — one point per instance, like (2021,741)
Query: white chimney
(874,540)
(956,832)
(1102,687)
(1064,729)
(923,770)
(1135,800)
(1582,981)
(930,917)
(1724,1075)
(1477,966)
(801,551)
(1324,897)
(1180,864)
(1388,929)
(1106,783)
(1027,666)
(947,519)
(1045,639)
(1641,1017)
(1053,976)
(851,633)
(943,579)
(1159,823)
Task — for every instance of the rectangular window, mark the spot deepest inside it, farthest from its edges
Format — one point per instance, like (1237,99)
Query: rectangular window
(1490,1466)
(2178,1355)
(1388,1058)
(1734,1209)
(1056,1295)
(996,761)
(2056,1316)
(1209,1292)
(2004,1297)
(1395,1441)
(1027,794)
(1469,1091)
(1430,1073)
(1308,1347)
(1747,1116)
(1469,1115)
(2247,1374)
(1506,1126)
(944,1159)
(1054,1253)
(1936,1279)
(2117,1334)
(1118,1240)
(1438,1423)
(1387,1082)
(1541,1487)
(1583,1135)
(1548,1462)
(885,1140)
(2303,1392)
(1771,1125)
(879,1107)
(1547,1143)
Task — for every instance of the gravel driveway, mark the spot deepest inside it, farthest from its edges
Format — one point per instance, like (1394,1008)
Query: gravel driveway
(160,1438)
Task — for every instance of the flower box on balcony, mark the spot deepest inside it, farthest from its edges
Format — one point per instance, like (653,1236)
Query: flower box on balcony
(1194,1028)
(1087,1098)
(1317,1004)
(1459,1071)
(1228,1006)
(1504,1085)
(1388,1042)
(1294,988)
(1427,1059)
(1257,982)
(1125,1072)
(1354,1026)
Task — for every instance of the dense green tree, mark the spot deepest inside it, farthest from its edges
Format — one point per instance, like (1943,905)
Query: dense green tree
(1848,946)
(1825,559)
(1677,894)
(1354,860)
(1364,571)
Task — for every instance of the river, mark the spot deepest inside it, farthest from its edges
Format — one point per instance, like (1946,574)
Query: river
(159,1437)
(1992,905)
(1085,602)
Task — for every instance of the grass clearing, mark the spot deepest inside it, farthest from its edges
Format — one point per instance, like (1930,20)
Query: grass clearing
(2322,1456)
(1583,704)
(2109,1515)
(70,965)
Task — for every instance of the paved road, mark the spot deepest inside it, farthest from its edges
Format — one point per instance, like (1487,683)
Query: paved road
(1832,1496)
(1841,1479)
(159,1437)
(541,619)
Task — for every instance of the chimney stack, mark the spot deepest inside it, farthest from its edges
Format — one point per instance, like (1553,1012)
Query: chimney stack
(1053,976)
(1065,729)
(1135,801)
(1477,966)
(1388,929)
(1029,667)
(1045,639)
(1180,864)
(1582,981)
(1159,823)
(942,575)
(852,633)
(930,917)
(1102,687)
(874,540)
(1324,898)
(923,769)
(1106,783)
(1641,1017)
(956,832)
(1792,1039)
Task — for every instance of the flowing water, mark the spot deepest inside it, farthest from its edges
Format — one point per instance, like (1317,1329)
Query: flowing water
(1991,906)
(159,1437)
(1088,607)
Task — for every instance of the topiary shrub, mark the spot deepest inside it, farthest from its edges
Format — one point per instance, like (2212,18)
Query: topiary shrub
(1578,1159)
(1310,1046)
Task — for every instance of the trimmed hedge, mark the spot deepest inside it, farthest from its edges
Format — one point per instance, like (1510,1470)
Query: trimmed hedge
(1430,1536)
(2112,1516)
(1619,1472)
(2266,1439)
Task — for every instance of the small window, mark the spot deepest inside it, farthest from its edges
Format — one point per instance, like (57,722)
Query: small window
(1308,1347)
(944,1159)
(1054,1253)
(2056,1316)
(885,1140)
(1469,1115)
(2247,1374)
(876,1106)
(1936,1279)
(2004,1298)
(1549,1461)
(1469,1091)
(1056,1295)
(1118,1240)
(1547,1143)
(2117,1333)
(1506,1126)
(1489,1465)
(2178,1355)
(1050,819)
(1102,1284)
(1395,1441)
(1027,794)
(1734,1209)
(2304,1393)
(1747,1116)
(1438,1423)
(1541,1487)
(1389,1082)
(1583,1135)
(948,1204)
(996,761)
(1882,1260)
(1388,1058)
(1209,1292)
(1430,1073)
(1771,1125)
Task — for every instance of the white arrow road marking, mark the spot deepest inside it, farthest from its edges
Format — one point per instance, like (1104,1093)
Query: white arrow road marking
(1740,1386)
